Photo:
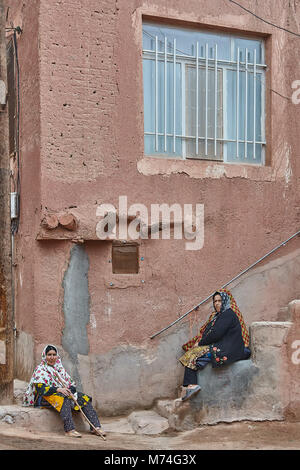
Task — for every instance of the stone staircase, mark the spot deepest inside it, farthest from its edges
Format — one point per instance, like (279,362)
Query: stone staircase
(264,387)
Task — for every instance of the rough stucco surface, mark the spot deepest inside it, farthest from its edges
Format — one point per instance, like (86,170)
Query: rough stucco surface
(78,79)
(82,145)
(6,309)
(138,375)
(90,142)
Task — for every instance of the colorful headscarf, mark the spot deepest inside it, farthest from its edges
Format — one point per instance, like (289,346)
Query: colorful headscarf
(53,376)
(227,302)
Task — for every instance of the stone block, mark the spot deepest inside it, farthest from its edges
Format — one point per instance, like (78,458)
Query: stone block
(245,390)
(38,418)
(227,385)
(227,394)
(118,425)
(265,334)
(181,416)
(147,422)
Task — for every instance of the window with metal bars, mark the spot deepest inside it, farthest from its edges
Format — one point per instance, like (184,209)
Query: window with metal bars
(204,95)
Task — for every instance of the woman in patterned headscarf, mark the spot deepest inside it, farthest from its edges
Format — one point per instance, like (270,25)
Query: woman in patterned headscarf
(223,339)
(51,386)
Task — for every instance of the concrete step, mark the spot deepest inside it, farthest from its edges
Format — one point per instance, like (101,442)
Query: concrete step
(148,422)
(40,419)
(138,422)
(36,418)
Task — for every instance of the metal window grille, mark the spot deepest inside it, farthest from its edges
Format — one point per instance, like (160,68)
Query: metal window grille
(199,104)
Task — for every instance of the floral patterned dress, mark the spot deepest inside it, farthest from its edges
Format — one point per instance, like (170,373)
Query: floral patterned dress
(43,385)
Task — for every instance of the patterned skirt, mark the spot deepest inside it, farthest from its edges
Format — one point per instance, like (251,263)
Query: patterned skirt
(56,400)
(190,357)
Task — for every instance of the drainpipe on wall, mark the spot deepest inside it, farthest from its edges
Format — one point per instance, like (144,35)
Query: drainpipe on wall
(6,318)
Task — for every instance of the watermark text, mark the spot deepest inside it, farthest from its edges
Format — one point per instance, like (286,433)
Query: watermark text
(137,222)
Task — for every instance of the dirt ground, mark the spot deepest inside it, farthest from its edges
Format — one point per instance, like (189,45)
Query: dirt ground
(234,436)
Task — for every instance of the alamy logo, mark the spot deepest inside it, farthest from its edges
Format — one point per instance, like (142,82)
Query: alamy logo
(296,354)
(135,222)
(296,94)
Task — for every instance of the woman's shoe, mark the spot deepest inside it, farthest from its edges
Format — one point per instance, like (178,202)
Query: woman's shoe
(73,433)
(98,432)
(190,392)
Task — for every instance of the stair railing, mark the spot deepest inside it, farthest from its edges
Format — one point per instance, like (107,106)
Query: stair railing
(225,285)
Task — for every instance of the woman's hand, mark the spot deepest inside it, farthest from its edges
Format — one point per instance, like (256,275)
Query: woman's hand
(64,391)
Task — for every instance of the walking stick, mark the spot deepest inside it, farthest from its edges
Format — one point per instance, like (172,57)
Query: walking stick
(97,431)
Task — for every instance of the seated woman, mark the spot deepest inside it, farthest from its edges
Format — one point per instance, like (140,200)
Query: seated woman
(51,386)
(223,339)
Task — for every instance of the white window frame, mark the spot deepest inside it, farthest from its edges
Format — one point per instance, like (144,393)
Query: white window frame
(233,64)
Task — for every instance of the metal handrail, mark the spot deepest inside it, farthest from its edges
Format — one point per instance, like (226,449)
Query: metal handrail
(225,285)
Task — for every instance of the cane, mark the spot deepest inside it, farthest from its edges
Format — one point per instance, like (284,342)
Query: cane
(63,384)
(98,432)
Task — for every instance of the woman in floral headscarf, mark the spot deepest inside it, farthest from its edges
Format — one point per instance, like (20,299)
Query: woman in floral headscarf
(51,386)
(223,339)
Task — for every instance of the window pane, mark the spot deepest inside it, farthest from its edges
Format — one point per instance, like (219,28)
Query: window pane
(254,122)
(186,40)
(214,110)
(251,45)
(165,120)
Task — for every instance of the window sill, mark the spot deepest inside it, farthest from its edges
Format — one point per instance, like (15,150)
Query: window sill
(201,169)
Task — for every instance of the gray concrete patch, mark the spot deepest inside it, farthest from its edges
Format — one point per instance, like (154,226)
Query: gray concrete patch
(129,377)
(76,307)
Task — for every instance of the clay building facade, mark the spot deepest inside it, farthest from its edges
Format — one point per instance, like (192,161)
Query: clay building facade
(131,105)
